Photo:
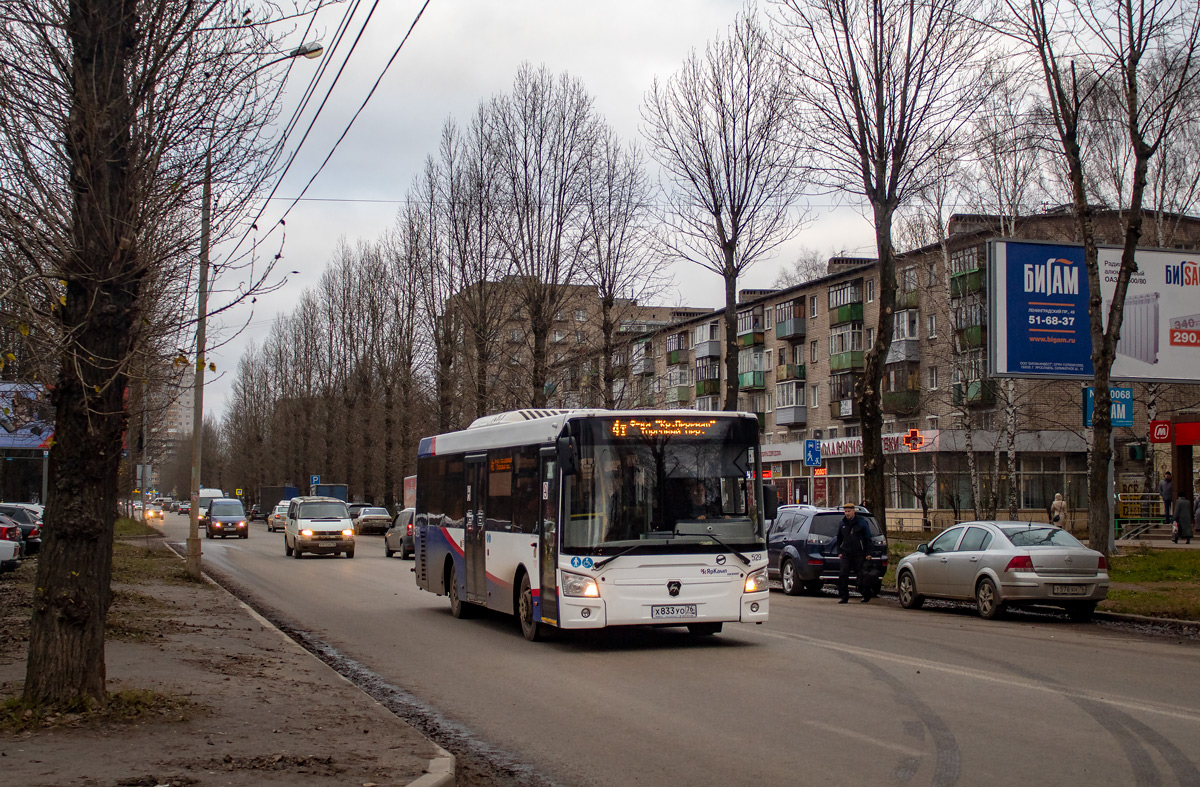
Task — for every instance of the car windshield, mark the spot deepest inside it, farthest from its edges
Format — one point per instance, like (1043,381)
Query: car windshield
(374,512)
(1040,537)
(642,481)
(220,508)
(329,510)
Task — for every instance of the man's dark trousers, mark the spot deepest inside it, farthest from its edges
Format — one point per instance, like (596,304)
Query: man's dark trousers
(851,564)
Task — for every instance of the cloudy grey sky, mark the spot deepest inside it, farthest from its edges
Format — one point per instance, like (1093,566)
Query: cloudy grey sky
(461,52)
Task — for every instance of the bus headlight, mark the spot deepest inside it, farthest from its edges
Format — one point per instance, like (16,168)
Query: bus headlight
(756,581)
(579,585)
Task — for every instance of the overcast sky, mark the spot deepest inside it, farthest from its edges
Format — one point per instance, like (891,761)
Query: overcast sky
(460,53)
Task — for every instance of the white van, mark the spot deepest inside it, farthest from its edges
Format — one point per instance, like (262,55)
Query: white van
(203,499)
(320,525)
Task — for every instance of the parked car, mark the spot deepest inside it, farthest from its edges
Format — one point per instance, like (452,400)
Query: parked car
(320,525)
(399,537)
(371,519)
(1005,564)
(226,517)
(10,555)
(37,510)
(29,525)
(802,547)
(278,518)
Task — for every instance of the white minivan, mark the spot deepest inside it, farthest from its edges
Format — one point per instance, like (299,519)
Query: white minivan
(320,525)
(204,498)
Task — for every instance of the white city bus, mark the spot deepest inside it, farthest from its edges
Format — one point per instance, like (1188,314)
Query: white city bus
(582,519)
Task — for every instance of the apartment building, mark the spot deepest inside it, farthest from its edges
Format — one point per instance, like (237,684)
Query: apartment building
(952,434)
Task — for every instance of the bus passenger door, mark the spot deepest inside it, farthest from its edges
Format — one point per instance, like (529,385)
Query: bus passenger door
(548,548)
(474,548)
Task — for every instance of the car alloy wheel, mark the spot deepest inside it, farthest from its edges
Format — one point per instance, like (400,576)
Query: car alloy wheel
(906,588)
(788,578)
(988,600)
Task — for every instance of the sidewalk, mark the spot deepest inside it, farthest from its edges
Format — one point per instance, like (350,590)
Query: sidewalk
(258,710)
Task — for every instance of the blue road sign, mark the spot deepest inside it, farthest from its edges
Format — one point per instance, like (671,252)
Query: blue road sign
(812,453)
(314,479)
(1121,410)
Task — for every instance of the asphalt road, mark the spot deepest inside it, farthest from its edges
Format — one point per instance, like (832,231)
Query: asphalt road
(822,694)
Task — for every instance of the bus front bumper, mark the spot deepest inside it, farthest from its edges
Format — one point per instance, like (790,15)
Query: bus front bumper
(594,613)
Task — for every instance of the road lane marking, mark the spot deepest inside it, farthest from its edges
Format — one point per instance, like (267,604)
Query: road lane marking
(1171,711)
(848,733)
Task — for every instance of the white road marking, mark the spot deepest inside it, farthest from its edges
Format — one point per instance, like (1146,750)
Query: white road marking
(864,738)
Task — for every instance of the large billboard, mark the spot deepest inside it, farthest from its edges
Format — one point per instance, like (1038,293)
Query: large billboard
(1038,303)
(26,416)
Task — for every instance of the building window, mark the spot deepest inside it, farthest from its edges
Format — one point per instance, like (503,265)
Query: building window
(933,326)
(558,336)
(579,339)
(870,288)
(870,338)
(769,314)
(847,338)
(580,315)
(812,307)
(906,325)
(932,420)
(814,395)
(813,347)
(845,293)
(933,381)
(789,394)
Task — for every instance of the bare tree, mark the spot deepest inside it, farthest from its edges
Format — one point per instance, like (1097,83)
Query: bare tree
(885,87)
(620,262)
(1148,55)
(721,129)
(544,132)
(809,264)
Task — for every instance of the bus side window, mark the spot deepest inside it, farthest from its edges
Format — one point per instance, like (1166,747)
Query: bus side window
(500,488)
(526,491)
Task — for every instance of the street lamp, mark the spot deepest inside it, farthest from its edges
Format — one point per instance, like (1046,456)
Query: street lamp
(309,50)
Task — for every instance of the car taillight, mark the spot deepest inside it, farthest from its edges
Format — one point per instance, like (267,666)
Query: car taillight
(1103,563)
(409,529)
(37,533)
(10,534)
(1020,563)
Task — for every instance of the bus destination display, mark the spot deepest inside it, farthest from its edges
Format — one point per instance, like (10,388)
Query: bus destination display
(668,427)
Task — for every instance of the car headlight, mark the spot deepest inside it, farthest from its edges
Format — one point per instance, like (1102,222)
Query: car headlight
(306,533)
(756,581)
(579,585)
(347,533)
(241,524)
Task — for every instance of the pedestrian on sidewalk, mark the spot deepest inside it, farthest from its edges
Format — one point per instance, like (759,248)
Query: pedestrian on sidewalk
(1058,510)
(853,542)
(1167,492)
(1182,515)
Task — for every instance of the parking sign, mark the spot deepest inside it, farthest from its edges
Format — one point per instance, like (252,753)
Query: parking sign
(812,453)
(314,480)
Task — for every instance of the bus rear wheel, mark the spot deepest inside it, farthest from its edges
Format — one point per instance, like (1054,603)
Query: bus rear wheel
(530,628)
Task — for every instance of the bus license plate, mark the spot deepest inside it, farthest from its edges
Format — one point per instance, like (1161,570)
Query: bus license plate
(672,611)
(1069,590)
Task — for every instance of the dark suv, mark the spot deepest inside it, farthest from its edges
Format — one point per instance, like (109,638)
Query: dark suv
(802,550)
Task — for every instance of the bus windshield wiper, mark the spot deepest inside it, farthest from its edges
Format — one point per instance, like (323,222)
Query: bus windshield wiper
(602,563)
(741,557)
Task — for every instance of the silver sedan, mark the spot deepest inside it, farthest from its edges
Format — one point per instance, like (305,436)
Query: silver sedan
(1002,564)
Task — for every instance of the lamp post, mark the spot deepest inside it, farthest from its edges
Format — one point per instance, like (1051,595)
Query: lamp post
(306,50)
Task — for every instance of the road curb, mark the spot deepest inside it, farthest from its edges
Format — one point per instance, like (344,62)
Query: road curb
(439,770)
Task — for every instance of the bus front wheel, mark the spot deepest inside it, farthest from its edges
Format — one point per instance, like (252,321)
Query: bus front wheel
(531,628)
(458,607)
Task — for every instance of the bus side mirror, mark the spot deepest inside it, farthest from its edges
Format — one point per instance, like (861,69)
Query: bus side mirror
(770,501)
(568,460)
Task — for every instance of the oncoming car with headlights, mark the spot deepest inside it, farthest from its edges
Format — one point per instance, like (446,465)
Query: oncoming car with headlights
(318,525)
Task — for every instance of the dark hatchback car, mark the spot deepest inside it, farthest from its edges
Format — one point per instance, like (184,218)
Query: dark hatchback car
(31,527)
(226,518)
(802,548)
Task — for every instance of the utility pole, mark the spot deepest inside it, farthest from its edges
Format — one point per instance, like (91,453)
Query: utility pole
(145,474)
(193,539)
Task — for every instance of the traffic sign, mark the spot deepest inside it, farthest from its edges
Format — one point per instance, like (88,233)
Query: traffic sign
(314,479)
(237,493)
(812,453)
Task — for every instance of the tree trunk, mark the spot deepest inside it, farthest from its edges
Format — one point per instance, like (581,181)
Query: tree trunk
(608,374)
(869,385)
(71,594)
(731,345)
(1010,388)
(389,442)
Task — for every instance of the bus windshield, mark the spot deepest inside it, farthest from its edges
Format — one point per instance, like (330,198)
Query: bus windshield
(683,479)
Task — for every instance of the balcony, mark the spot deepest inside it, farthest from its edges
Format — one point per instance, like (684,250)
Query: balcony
(972,336)
(796,415)
(708,387)
(709,349)
(675,357)
(789,371)
(793,328)
(851,312)
(904,350)
(844,362)
(751,339)
(901,402)
(909,299)
(976,393)
(967,282)
(679,394)
(642,366)
(749,381)
(845,409)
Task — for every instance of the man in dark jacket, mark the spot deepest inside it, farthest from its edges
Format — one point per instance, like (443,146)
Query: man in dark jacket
(1166,491)
(853,543)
